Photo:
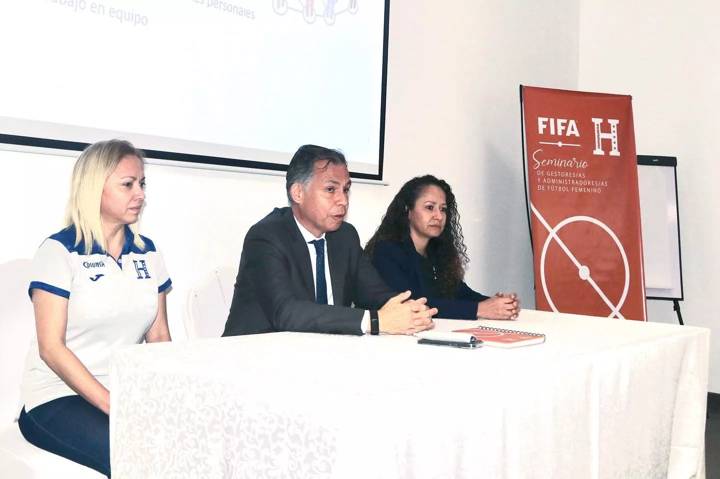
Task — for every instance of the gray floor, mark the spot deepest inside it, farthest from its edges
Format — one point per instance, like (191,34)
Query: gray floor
(712,438)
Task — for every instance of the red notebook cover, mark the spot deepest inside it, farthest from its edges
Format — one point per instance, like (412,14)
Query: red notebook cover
(503,338)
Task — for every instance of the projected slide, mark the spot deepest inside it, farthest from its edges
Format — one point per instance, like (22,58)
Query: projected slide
(244,81)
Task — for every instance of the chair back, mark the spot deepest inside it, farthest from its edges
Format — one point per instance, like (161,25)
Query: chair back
(18,458)
(209,302)
(17,323)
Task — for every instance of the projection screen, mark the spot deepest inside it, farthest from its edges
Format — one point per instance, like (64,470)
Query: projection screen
(233,83)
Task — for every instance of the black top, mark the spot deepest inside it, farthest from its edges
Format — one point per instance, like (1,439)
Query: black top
(403,268)
(429,275)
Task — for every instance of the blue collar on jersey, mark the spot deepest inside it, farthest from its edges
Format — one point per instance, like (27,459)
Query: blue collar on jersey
(67,238)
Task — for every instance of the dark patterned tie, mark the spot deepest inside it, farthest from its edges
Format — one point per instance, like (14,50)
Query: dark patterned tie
(320,283)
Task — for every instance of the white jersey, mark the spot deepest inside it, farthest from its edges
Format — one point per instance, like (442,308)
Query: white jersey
(110,304)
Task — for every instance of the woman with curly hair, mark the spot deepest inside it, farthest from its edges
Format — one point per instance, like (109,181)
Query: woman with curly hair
(419,247)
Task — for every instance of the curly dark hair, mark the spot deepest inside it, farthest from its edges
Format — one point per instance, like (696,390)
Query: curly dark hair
(447,250)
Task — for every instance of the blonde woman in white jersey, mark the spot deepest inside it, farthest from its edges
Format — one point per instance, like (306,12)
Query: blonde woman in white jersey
(97,285)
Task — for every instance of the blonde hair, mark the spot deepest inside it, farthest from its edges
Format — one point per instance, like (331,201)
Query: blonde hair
(91,170)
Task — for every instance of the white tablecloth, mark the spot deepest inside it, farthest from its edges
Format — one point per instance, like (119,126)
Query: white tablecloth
(600,399)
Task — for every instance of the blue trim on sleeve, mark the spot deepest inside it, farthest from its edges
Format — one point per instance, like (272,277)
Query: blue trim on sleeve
(164,286)
(49,288)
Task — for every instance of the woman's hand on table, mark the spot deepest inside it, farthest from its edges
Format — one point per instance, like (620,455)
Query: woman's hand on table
(500,306)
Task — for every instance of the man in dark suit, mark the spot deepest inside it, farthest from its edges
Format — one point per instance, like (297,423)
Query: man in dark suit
(302,267)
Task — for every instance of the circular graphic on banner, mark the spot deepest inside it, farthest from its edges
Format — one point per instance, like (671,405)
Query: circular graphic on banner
(585,271)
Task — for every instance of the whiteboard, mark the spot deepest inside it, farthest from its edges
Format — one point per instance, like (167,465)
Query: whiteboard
(660,219)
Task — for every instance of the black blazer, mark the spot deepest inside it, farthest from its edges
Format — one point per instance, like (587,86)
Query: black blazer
(399,265)
(275,291)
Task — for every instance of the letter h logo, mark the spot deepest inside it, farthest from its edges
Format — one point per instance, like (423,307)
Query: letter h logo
(600,136)
(141,269)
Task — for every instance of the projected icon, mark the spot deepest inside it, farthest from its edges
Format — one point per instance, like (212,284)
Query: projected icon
(312,9)
(584,271)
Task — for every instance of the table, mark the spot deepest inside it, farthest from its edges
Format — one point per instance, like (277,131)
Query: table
(600,398)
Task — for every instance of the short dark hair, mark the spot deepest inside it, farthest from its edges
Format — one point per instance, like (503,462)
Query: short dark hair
(302,166)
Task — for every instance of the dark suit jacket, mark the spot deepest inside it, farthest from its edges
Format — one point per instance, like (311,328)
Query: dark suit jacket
(399,265)
(275,291)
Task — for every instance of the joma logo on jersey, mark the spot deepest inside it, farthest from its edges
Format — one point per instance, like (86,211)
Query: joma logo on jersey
(141,269)
(94,264)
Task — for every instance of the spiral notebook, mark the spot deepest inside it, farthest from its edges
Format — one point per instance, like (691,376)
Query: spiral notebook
(503,338)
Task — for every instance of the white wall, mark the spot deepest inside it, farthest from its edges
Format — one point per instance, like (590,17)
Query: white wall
(666,55)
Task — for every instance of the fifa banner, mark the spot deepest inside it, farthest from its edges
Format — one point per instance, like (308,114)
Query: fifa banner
(584,204)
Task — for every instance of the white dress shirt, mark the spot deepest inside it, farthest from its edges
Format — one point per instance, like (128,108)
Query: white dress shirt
(308,237)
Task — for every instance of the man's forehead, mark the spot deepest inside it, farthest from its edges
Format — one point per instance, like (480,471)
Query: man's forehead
(327,171)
